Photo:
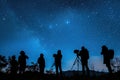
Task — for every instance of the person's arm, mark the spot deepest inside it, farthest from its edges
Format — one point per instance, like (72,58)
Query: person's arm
(27,57)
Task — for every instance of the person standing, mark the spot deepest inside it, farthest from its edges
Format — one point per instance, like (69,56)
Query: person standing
(84,54)
(22,61)
(14,65)
(106,58)
(58,62)
(41,62)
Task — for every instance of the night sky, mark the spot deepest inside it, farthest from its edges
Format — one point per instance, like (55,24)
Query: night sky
(44,26)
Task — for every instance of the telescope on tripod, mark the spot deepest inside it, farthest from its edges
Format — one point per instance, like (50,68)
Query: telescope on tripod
(77,61)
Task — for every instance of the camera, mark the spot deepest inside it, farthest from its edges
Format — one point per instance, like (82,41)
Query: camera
(76,51)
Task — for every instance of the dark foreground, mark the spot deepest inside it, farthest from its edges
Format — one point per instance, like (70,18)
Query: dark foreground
(36,76)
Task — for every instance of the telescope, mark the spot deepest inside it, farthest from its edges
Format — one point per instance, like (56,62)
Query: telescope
(77,60)
(76,51)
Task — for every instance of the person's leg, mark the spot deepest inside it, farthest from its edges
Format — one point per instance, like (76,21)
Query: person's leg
(20,70)
(109,68)
(24,69)
(56,69)
(60,67)
(83,68)
(40,70)
(88,71)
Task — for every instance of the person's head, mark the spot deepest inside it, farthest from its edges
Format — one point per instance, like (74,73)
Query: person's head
(59,51)
(82,47)
(13,57)
(22,52)
(104,47)
(41,55)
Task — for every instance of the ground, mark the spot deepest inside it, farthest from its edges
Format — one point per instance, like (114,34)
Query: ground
(36,76)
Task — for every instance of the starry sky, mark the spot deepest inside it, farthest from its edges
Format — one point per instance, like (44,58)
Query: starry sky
(44,26)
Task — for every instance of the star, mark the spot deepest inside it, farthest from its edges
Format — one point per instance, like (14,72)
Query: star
(3,18)
(50,26)
(56,24)
(67,22)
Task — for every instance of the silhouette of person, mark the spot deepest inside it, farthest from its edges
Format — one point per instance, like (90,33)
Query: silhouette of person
(106,59)
(84,54)
(22,61)
(55,62)
(41,62)
(14,65)
(58,62)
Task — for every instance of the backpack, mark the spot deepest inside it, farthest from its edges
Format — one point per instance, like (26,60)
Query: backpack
(111,53)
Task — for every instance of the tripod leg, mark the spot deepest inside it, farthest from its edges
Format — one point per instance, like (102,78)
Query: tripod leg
(74,63)
(77,64)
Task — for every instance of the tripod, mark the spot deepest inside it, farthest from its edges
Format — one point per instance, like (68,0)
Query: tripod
(77,62)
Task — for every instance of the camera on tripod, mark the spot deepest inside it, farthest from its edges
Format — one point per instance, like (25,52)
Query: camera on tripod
(77,60)
(76,51)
